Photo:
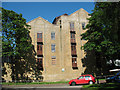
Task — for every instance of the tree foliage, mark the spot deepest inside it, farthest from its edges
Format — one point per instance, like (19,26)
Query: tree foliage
(17,48)
(103,30)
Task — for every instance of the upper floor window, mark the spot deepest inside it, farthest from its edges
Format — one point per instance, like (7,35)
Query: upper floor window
(83,25)
(53,35)
(39,47)
(72,35)
(39,35)
(73,47)
(71,26)
(53,47)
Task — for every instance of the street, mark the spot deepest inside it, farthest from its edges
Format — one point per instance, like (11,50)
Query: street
(40,86)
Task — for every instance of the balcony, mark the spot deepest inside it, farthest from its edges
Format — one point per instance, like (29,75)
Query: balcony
(40,63)
(74,65)
(39,40)
(73,52)
(72,30)
(39,52)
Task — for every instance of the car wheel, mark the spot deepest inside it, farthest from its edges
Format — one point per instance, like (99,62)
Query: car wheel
(90,82)
(73,84)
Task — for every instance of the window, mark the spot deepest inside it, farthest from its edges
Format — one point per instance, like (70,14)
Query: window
(53,35)
(60,21)
(39,47)
(83,25)
(39,35)
(72,35)
(39,63)
(74,60)
(53,47)
(73,47)
(88,78)
(81,77)
(71,26)
(74,63)
(53,60)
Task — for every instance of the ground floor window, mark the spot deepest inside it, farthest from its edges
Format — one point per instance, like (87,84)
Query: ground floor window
(74,63)
(39,63)
(53,60)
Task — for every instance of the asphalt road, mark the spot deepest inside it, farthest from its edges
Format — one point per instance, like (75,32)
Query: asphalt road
(41,86)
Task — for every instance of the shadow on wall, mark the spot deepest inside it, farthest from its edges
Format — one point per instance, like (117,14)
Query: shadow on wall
(95,64)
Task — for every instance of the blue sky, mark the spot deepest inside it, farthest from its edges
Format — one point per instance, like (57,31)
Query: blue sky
(46,10)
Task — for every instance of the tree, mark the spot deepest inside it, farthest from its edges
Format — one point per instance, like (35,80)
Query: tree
(103,31)
(17,49)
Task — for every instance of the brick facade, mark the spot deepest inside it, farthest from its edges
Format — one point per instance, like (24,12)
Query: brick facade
(60,45)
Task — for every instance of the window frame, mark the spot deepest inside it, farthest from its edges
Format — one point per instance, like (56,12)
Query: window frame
(52,35)
(53,47)
(83,25)
(39,35)
(72,35)
(81,78)
(72,26)
(53,58)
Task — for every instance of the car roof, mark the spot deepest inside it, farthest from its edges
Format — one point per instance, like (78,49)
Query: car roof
(87,75)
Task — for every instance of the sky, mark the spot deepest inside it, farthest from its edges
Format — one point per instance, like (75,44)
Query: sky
(46,10)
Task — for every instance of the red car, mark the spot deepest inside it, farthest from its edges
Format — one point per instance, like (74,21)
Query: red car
(83,79)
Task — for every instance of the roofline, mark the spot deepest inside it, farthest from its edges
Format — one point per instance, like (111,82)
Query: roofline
(54,21)
(56,18)
(37,18)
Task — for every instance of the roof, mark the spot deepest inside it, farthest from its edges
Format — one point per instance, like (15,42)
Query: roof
(56,19)
(39,18)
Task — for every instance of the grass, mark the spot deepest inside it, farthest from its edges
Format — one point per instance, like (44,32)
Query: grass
(104,86)
(27,83)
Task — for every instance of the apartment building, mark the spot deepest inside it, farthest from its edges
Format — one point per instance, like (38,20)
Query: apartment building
(58,45)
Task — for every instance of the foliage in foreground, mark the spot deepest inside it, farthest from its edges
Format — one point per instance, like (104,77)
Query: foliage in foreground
(103,34)
(17,48)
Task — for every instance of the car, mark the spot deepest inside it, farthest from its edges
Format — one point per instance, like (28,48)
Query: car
(115,78)
(83,79)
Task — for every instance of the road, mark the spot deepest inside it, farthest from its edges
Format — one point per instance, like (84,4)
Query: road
(40,86)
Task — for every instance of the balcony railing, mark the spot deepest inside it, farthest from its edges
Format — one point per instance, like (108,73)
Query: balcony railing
(73,52)
(39,52)
(40,63)
(74,64)
(39,40)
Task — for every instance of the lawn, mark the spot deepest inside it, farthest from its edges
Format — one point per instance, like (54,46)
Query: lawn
(104,86)
(20,83)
